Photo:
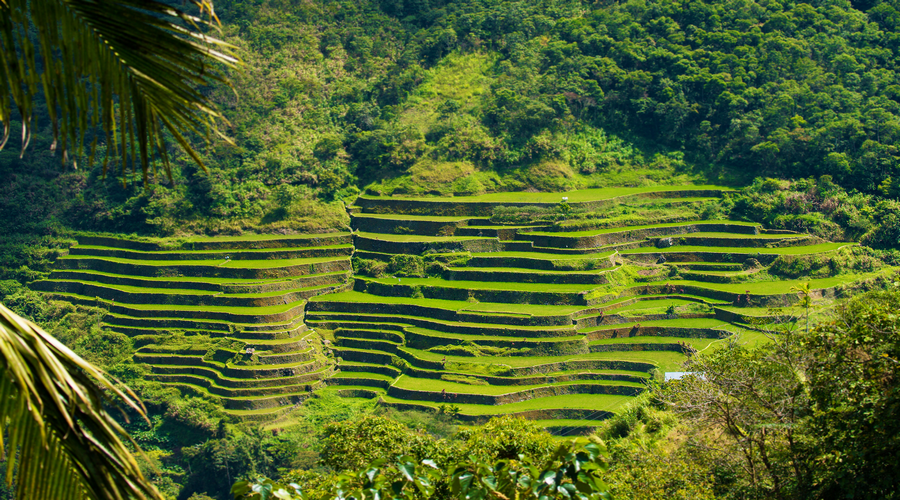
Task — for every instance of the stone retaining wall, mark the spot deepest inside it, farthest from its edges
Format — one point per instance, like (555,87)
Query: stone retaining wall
(274,254)
(421,316)
(420,247)
(486,209)
(639,347)
(563,264)
(525,380)
(149,246)
(513,397)
(656,331)
(202,271)
(572,278)
(389,226)
(288,284)
(627,236)
(463,294)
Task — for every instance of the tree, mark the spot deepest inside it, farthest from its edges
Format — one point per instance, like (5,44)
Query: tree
(95,59)
(130,68)
(809,414)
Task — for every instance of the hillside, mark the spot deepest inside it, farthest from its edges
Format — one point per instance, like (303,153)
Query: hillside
(469,97)
(438,213)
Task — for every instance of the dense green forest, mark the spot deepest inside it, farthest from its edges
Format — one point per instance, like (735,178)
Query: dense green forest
(796,105)
(471,96)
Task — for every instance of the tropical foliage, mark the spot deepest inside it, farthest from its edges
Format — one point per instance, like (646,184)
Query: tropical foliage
(129,68)
(60,441)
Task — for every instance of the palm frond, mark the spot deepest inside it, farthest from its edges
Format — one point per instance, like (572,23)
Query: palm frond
(60,441)
(131,68)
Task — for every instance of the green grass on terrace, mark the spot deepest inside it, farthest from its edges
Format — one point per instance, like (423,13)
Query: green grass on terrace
(598,402)
(259,411)
(782,286)
(454,305)
(186,279)
(569,423)
(528,270)
(722,273)
(284,324)
(667,201)
(594,232)
(699,344)
(554,374)
(763,312)
(182,291)
(504,226)
(437,385)
(260,237)
(416,238)
(488,338)
(250,311)
(367,375)
(204,390)
(798,250)
(484,285)
(196,239)
(710,323)
(231,251)
(425,218)
(661,359)
(640,298)
(652,304)
(581,195)
(398,319)
(737,236)
(234,264)
(546,256)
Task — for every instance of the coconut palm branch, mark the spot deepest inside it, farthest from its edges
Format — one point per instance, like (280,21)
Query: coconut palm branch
(60,442)
(130,68)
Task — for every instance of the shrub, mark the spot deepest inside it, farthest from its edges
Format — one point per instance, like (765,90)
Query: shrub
(369,267)
(406,265)
(435,269)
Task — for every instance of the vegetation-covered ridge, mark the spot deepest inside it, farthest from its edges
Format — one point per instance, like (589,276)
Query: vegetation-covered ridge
(462,98)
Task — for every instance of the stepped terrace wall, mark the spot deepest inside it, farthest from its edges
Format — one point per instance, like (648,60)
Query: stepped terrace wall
(267,254)
(181,299)
(513,397)
(548,414)
(138,268)
(470,208)
(630,235)
(415,312)
(372,244)
(463,294)
(261,286)
(235,243)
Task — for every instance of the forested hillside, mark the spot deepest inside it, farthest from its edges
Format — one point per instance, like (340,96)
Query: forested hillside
(472,96)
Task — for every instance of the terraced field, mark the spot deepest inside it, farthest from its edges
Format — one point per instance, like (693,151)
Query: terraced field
(533,319)
(219,316)
(559,326)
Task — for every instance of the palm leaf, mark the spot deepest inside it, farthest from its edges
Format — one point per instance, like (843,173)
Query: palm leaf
(60,441)
(130,68)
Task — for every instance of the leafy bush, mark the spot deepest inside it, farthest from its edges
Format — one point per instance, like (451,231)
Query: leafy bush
(406,265)
(369,267)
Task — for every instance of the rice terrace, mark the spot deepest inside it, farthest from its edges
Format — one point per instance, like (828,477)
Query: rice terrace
(556,307)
